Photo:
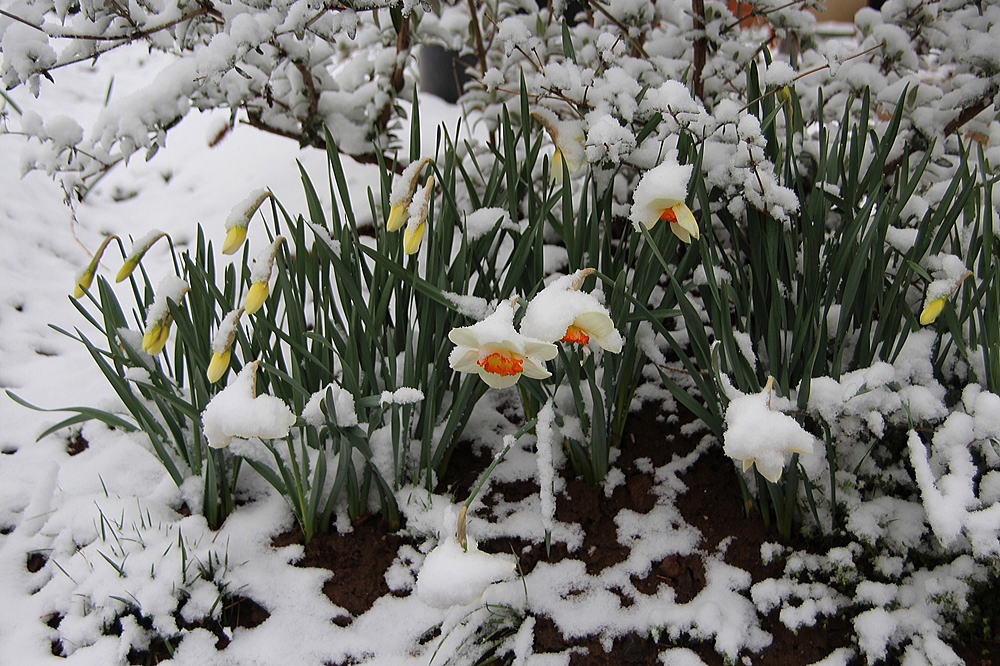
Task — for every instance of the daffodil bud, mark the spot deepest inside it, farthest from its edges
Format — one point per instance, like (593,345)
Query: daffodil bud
(158,317)
(155,337)
(222,346)
(218,366)
(260,276)
(402,194)
(239,220)
(139,250)
(937,295)
(931,311)
(417,225)
(567,137)
(86,277)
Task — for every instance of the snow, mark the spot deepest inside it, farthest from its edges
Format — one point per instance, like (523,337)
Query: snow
(237,411)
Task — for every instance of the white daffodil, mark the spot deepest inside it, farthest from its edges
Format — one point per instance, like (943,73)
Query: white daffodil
(660,195)
(237,411)
(496,352)
(757,435)
(561,312)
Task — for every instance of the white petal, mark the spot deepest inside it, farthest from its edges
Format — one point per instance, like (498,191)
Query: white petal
(464,337)
(464,359)
(498,381)
(681,233)
(543,351)
(611,342)
(535,371)
(596,324)
(686,221)
(769,470)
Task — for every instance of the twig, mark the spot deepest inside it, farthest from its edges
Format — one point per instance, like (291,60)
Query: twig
(700,48)
(811,71)
(480,49)
(635,44)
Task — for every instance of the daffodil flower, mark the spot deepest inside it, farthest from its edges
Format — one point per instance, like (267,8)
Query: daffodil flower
(757,435)
(402,194)
(158,317)
(222,346)
(417,224)
(660,196)
(260,277)
(239,220)
(561,312)
(496,352)
(139,250)
(86,277)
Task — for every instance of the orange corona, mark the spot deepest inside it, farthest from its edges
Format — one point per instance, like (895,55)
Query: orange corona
(501,364)
(668,216)
(576,335)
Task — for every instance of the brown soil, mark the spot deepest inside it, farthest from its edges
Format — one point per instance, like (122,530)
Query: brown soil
(77,444)
(359,560)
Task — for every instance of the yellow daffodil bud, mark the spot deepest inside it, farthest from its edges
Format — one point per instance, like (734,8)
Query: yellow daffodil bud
(234,239)
(402,194)
(138,252)
(218,366)
(155,338)
(86,277)
(784,94)
(397,216)
(255,297)
(260,276)
(931,311)
(412,237)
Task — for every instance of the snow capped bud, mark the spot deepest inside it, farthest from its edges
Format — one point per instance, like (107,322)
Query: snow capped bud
(221,346)
(260,275)
(255,297)
(155,337)
(402,194)
(239,219)
(218,366)
(158,317)
(567,137)
(931,311)
(397,216)
(234,238)
(85,277)
(139,250)
(937,295)
(417,225)
(237,411)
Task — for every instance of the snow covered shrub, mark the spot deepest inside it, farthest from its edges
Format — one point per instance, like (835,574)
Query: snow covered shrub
(143,577)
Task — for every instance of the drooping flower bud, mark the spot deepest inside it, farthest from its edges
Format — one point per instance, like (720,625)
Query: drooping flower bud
(417,225)
(260,276)
(402,194)
(139,249)
(222,346)
(239,220)
(86,277)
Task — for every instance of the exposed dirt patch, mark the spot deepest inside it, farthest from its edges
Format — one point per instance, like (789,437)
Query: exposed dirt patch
(358,561)
(77,444)
(35,562)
